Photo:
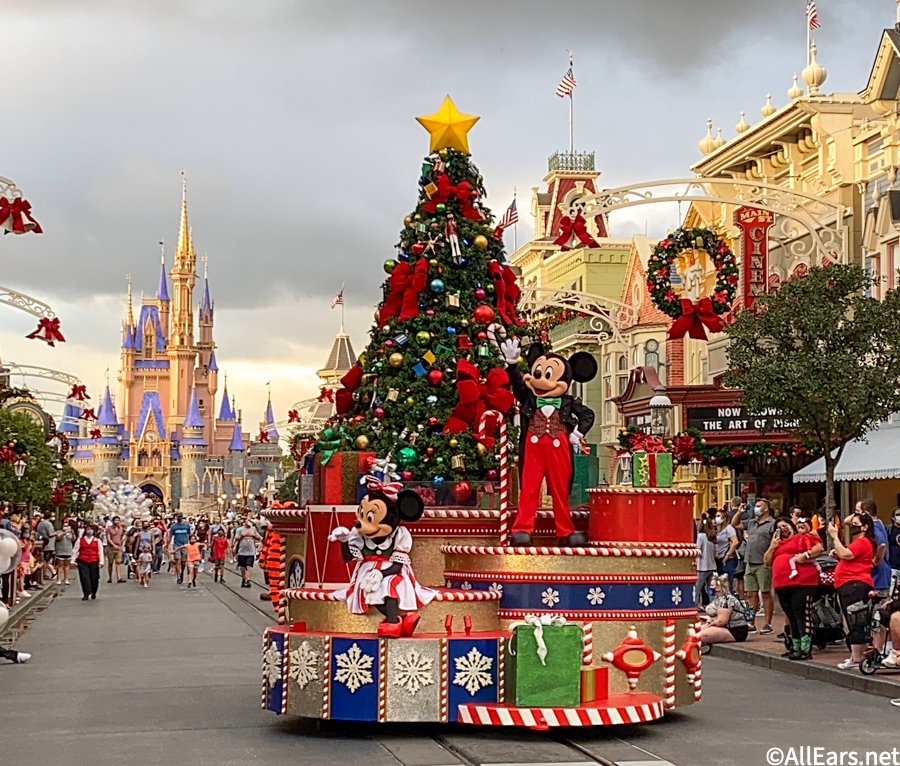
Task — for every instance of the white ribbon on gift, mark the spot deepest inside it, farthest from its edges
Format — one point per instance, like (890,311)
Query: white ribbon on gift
(538,622)
(385,467)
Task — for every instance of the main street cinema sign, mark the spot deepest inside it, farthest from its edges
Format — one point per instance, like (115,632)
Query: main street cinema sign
(737,418)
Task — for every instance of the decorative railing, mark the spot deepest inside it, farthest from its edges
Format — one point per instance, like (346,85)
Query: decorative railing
(571,161)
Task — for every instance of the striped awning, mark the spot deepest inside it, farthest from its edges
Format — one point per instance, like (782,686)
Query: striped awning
(876,457)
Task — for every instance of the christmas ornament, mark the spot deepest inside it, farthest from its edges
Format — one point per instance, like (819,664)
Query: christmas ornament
(418,248)
(436,377)
(395,359)
(479,293)
(454,443)
(392,394)
(15,215)
(389,265)
(419,369)
(379,412)
(437,286)
(432,421)
(492,474)
(388,343)
(441,207)
(406,475)
(482,335)
(423,337)
(461,491)
(362,441)
(429,357)
(429,451)
(451,331)
(481,242)
(632,657)
(429,313)
(408,221)
(448,128)
(458,463)
(407,456)
(481,449)
(451,301)
(432,399)
(483,313)
(401,339)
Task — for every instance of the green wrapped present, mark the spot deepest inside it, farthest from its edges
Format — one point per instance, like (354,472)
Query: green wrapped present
(585,475)
(543,667)
(652,469)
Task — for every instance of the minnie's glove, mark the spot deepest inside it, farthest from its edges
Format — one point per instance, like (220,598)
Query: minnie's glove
(371,581)
(339,535)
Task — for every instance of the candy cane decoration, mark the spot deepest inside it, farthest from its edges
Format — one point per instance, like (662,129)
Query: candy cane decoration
(265,682)
(494,331)
(501,671)
(281,577)
(587,654)
(445,680)
(285,672)
(697,685)
(382,679)
(669,655)
(326,679)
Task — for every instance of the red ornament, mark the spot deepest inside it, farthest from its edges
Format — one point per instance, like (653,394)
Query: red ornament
(418,248)
(632,657)
(429,451)
(381,351)
(483,313)
(357,418)
(482,335)
(461,491)
(479,293)
(406,475)
(379,412)
(430,312)
(436,377)
(492,474)
(432,421)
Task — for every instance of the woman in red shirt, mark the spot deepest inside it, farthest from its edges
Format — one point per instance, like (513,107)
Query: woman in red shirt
(88,555)
(794,585)
(853,576)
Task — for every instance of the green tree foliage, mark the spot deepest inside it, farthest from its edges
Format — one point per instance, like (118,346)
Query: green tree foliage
(822,353)
(34,486)
(288,489)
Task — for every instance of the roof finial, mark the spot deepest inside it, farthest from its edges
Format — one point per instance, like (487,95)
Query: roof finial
(768,108)
(205,266)
(796,91)
(815,74)
(130,315)
(708,143)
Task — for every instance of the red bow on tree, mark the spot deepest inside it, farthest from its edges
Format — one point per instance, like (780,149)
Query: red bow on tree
(506,291)
(7,453)
(685,447)
(263,436)
(48,331)
(58,497)
(475,397)
(88,414)
(406,283)
(693,318)
(15,217)
(79,392)
(326,395)
(577,227)
(462,191)
(293,416)
(95,433)
(343,399)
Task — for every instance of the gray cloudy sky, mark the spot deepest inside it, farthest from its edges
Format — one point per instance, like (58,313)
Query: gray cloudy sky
(295,123)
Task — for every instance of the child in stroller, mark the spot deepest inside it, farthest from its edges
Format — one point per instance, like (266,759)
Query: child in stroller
(824,620)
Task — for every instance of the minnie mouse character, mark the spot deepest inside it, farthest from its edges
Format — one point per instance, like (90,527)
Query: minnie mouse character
(554,422)
(383,577)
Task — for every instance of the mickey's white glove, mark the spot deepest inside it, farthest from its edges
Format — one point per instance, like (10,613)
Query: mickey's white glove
(511,350)
(370,582)
(339,535)
(575,437)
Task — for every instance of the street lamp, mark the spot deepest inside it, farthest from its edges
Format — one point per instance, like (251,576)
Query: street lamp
(696,464)
(19,467)
(660,410)
(625,464)
(54,482)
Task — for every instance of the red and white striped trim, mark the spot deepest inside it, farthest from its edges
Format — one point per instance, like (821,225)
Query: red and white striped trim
(285,671)
(629,490)
(480,576)
(622,543)
(638,711)
(382,680)
(491,550)
(326,680)
(669,655)
(265,681)
(443,594)
(587,652)
(698,686)
(281,578)
(283,513)
(636,614)
(445,680)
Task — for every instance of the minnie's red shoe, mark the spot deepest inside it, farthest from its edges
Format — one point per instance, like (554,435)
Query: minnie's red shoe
(390,629)
(410,621)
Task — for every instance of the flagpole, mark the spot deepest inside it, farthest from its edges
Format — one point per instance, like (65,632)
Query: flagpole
(571,108)
(515,225)
(342,307)
(808,38)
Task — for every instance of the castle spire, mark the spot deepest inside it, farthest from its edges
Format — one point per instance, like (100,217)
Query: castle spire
(162,292)
(206,304)
(193,418)
(129,317)
(185,247)
(106,415)
(237,441)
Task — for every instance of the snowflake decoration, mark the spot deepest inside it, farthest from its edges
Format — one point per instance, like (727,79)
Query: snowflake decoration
(303,666)
(413,671)
(466,585)
(496,587)
(272,664)
(354,668)
(676,596)
(473,671)
(295,576)
(596,596)
(645,597)
(550,597)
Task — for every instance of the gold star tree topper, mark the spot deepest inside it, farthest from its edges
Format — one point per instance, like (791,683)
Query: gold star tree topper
(448,127)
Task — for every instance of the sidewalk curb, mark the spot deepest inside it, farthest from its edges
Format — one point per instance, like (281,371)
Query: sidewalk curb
(809,670)
(24,609)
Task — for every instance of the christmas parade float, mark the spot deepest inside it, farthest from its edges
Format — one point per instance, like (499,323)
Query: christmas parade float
(421,584)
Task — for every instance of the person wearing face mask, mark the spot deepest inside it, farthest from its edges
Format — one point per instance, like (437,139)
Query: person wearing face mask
(706,561)
(65,544)
(245,542)
(758,577)
(853,578)
(88,555)
(726,546)
(893,535)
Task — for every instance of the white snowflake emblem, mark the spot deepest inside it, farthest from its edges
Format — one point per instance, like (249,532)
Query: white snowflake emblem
(466,585)
(645,597)
(413,671)
(596,596)
(354,668)
(303,666)
(496,587)
(272,664)
(295,576)
(676,596)
(550,597)
(473,671)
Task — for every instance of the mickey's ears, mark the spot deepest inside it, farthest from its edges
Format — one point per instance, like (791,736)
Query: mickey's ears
(410,505)
(584,367)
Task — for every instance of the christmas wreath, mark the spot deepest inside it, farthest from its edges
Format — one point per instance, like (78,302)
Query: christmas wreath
(691,318)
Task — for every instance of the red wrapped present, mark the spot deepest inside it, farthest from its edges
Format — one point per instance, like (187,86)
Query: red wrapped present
(336,478)
(594,684)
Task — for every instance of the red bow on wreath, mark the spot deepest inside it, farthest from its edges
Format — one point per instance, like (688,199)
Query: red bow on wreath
(15,217)
(48,331)
(446,190)
(79,392)
(88,414)
(293,416)
(506,291)
(576,227)
(326,395)
(693,318)
(343,399)
(406,283)
(475,397)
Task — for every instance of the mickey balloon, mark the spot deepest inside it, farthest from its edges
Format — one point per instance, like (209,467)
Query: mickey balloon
(553,423)
(383,577)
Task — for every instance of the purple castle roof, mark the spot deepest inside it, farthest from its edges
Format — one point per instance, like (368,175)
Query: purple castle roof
(193,418)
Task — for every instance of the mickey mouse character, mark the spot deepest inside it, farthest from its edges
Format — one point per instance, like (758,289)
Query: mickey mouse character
(383,577)
(553,423)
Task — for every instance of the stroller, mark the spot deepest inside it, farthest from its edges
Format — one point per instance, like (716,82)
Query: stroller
(824,619)
(875,613)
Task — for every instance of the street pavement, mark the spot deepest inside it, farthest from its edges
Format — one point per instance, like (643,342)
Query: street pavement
(171,674)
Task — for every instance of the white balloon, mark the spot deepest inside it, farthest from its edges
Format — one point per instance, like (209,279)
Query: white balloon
(8,547)
(4,616)
(6,565)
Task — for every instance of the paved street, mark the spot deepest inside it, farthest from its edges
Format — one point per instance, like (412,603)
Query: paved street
(146,676)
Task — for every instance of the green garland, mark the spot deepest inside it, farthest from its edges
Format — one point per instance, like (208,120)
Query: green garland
(659,269)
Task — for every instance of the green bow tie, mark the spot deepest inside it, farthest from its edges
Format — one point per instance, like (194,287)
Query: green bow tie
(549,401)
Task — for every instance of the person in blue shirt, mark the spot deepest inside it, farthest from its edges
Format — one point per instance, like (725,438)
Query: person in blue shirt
(178,537)
(881,569)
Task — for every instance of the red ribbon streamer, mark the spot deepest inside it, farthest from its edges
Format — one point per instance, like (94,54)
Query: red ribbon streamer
(694,316)
(506,291)
(343,398)
(47,331)
(406,283)
(578,227)
(475,397)
(15,216)
(462,192)
(263,436)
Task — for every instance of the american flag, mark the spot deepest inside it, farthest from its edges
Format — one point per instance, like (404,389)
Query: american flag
(812,14)
(567,84)
(338,299)
(510,217)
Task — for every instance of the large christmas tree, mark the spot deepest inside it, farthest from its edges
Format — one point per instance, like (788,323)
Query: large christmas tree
(432,367)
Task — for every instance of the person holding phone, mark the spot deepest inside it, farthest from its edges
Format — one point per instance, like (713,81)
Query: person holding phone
(853,579)
(758,577)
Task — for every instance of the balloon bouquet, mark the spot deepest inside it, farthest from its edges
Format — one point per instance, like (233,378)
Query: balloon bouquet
(121,498)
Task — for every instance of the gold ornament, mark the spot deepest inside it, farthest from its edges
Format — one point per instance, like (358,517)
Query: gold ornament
(395,359)
(448,127)
(481,242)
(362,441)
(408,220)
(392,394)
(458,463)
(454,443)
(452,301)
(481,449)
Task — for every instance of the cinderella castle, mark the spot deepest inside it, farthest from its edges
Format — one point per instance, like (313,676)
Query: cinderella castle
(164,432)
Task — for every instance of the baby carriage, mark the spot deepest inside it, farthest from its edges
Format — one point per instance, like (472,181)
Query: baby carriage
(824,619)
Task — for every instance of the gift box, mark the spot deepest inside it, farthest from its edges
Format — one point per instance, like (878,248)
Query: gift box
(594,684)
(336,478)
(543,667)
(306,489)
(652,469)
(586,474)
